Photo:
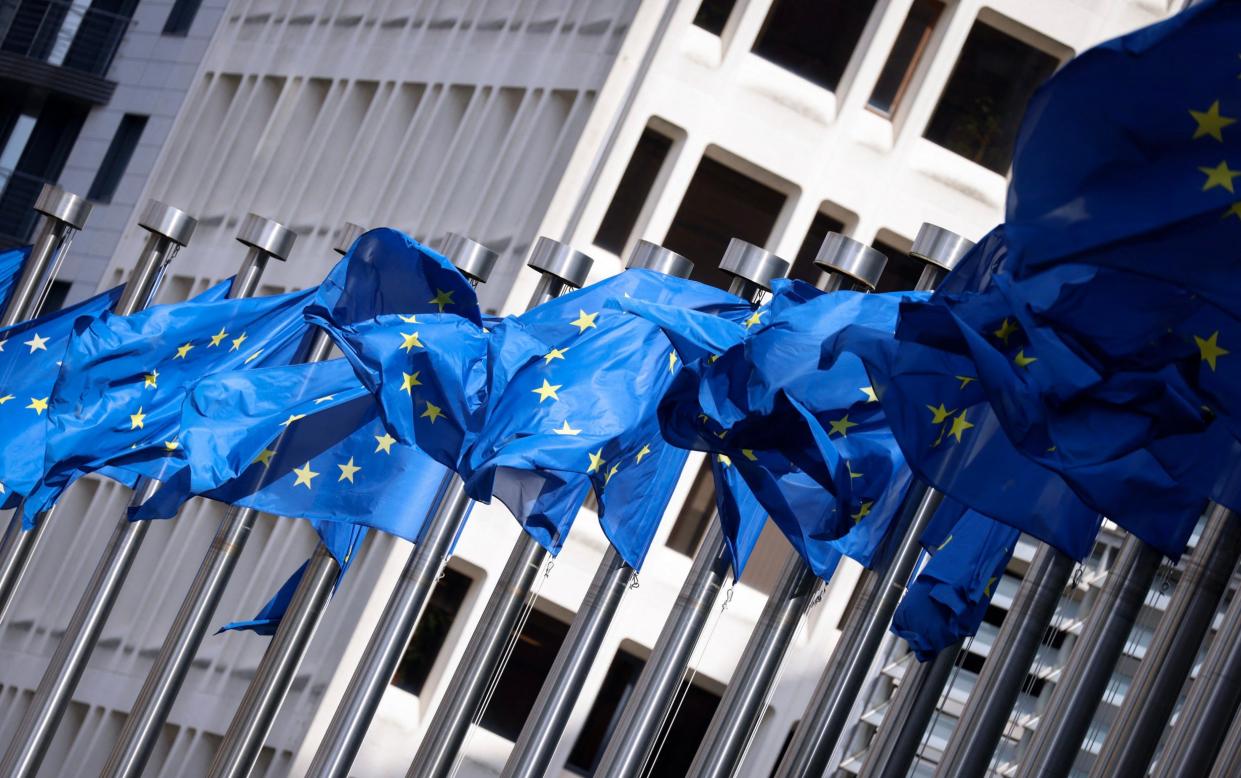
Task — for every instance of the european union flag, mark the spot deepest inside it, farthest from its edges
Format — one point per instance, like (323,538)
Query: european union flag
(11,262)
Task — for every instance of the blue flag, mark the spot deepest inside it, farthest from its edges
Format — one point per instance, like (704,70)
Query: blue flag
(11,262)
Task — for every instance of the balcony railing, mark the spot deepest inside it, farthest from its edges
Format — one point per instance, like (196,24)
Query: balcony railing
(66,34)
(18,192)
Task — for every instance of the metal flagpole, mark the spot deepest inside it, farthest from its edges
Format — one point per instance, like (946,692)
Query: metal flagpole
(536,745)
(1131,740)
(1209,705)
(1063,724)
(1229,752)
(559,265)
(163,682)
(844,261)
(63,214)
(981,724)
(879,590)
(170,229)
(633,740)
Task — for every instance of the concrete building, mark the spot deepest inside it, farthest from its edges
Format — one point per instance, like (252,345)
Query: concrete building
(596,122)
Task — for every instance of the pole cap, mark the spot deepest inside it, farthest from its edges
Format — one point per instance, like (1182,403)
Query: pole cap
(172,223)
(652,256)
(751,263)
(62,205)
(939,246)
(349,232)
(268,236)
(472,258)
(557,259)
(840,254)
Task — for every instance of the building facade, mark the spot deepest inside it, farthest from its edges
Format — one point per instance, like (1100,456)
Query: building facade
(599,123)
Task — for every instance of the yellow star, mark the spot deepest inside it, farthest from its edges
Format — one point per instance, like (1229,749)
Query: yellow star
(959,425)
(136,419)
(565,429)
(724,460)
(237,341)
(171,445)
(1219,175)
(1210,122)
(645,450)
(407,319)
(183,349)
(841,426)
(755,318)
(869,391)
(547,390)
(990,582)
(943,545)
(1006,330)
(292,418)
(852,474)
(1233,210)
(748,453)
(37,404)
(409,381)
(939,414)
(37,343)
(672,361)
(252,357)
(347,470)
(410,341)
(265,456)
(385,442)
(432,412)
(441,299)
(965,380)
(304,475)
(863,512)
(611,473)
(584,320)
(1210,349)
(1022,360)
(218,338)
(5,399)
(150,378)
(556,353)
(596,461)
(324,398)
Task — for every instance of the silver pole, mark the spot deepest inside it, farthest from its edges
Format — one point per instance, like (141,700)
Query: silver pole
(1210,704)
(265,694)
(844,261)
(170,229)
(1229,752)
(189,627)
(982,722)
(63,214)
(1063,724)
(1148,704)
(895,745)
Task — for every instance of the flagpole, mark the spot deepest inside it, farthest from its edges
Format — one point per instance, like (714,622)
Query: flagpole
(844,261)
(540,735)
(63,214)
(170,229)
(1063,724)
(1229,752)
(163,682)
(253,719)
(878,590)
(633,740)
(1131,740)
(1210,704)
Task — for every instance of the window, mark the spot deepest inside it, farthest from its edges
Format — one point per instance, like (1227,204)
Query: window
(680,737)
(531,661)
(713,15)
(911,43)
(719,205)
(813,38)
(981,108)
(181,17)
(902,271)
(55,299)
(784,748)
(804,267)
(631,193)
(691,523)
(108,177)
(428,640)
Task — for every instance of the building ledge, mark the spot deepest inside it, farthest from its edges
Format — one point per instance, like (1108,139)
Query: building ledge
(76,84)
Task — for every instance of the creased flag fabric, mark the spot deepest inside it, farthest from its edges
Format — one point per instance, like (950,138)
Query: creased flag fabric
(11,262)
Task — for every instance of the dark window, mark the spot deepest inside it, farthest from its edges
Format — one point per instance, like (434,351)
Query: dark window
(441,611)
(813,38)
(981,108)
(911,43)
(181,17)
(529,664)
(55,299)
(971,662)
(784,748)
(41,159)
(648,157)
(691,523)
(719,205)
(120,151)
(902,271)
(804,267)
(713,15)
(680,737)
